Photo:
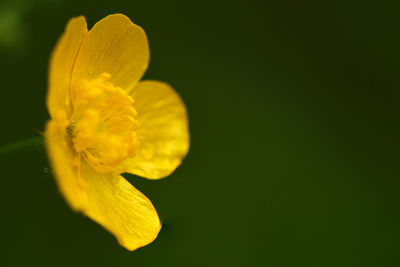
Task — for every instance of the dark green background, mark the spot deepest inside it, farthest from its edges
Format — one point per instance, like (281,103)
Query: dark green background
(294,120)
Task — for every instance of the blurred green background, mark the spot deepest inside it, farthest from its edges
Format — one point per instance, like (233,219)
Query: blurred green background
(294,120)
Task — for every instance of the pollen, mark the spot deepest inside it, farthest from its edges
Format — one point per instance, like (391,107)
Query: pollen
(102,127)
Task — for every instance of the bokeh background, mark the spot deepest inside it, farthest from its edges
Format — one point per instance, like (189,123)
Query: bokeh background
(294,120)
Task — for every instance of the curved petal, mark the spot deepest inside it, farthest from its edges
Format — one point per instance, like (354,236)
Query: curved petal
(163,130)
(116,46)
(108,199)
(61,64)
(61,159)
(120,208)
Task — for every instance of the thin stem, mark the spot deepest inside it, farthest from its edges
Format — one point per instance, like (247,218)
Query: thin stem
(23,145)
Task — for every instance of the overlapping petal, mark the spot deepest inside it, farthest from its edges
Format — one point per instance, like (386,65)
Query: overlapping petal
(163,130)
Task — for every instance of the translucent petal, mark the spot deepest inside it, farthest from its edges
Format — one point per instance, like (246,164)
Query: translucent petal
(121,209)
(61,64)
(116,46)
(163,130)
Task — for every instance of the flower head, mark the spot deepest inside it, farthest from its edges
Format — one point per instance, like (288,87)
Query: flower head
(105,122)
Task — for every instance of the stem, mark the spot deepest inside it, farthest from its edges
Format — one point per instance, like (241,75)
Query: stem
(23,145)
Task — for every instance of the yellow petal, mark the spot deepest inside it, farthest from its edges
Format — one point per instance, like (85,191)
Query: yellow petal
(120,208)
(108,199)
(60,155)
(116,46)
(61,64)
(163,130)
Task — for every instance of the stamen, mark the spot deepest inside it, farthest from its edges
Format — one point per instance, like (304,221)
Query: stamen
(104,125)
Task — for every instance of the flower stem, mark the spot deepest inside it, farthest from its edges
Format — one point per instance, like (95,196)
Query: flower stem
(20,146)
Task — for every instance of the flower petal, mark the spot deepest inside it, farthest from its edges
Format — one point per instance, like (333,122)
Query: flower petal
(108,199)
(116,46)
(61,64)
(61,159)
(163,130)
(120,208)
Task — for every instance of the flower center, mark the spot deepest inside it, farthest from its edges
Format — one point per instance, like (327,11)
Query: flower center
(103,125)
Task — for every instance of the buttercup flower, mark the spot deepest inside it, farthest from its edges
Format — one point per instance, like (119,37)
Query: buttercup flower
(105,122)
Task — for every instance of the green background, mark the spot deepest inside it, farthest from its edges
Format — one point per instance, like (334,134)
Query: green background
(294,121)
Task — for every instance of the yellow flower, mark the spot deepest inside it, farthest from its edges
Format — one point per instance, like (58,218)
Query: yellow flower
(105,122)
